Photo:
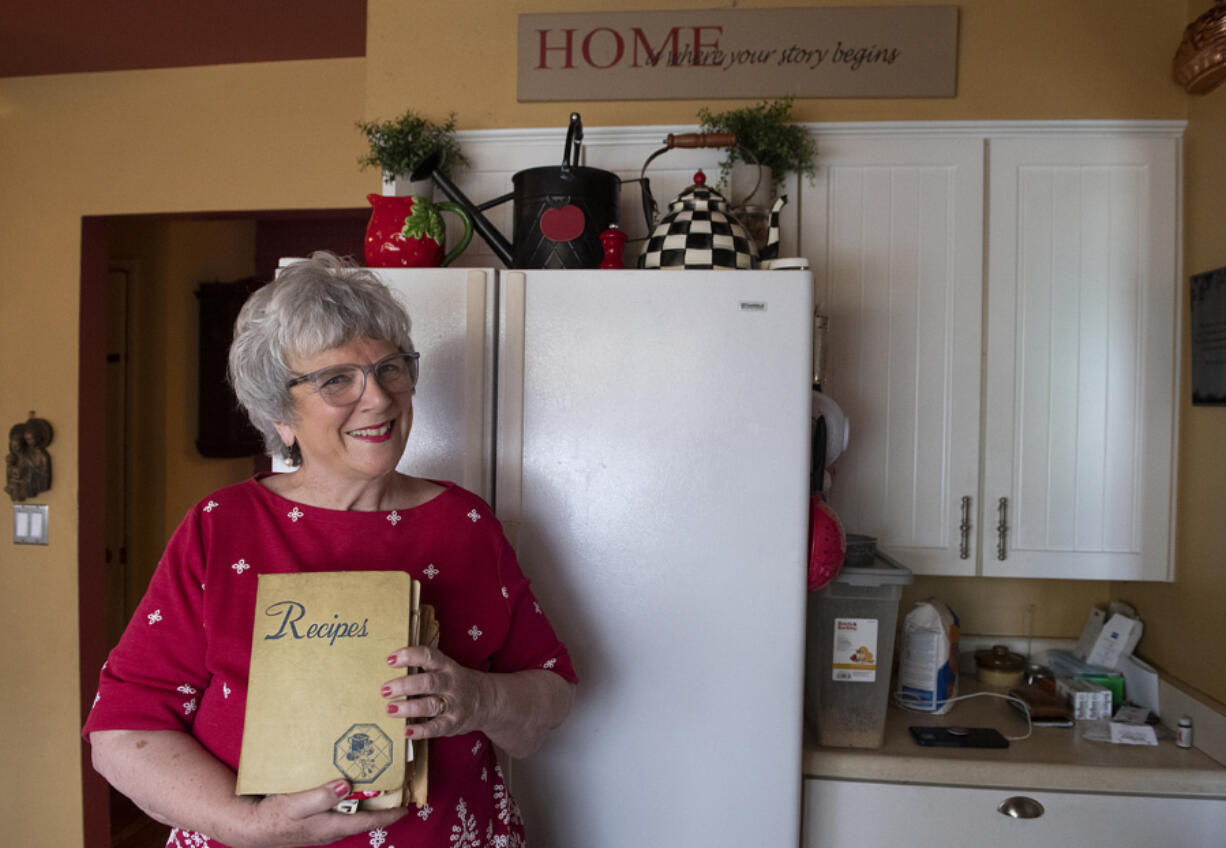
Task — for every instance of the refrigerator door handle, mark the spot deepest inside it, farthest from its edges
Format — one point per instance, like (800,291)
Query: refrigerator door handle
(509,450)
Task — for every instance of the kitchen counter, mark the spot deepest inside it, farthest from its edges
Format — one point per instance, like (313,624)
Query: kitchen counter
(1052,759)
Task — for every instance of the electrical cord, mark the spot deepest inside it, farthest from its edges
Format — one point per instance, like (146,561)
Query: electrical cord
(904,701)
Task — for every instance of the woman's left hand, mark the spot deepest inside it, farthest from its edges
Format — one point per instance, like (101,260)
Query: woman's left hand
(451,698)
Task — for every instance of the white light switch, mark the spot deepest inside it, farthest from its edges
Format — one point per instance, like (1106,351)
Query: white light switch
(30,524)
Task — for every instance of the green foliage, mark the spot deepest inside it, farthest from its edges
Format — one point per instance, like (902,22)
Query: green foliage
(768,132)
(398,146)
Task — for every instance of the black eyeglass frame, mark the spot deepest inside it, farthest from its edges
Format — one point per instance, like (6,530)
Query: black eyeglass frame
(410,357)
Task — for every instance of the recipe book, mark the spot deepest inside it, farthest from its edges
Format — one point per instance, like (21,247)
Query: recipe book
(318,662)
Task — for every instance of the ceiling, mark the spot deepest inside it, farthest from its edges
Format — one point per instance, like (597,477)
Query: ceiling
(78,36)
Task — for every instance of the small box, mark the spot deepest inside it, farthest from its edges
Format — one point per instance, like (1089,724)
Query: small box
(1087,699)
(1115,641)
(1113,682)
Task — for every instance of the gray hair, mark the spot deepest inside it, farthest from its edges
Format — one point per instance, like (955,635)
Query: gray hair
(313,305)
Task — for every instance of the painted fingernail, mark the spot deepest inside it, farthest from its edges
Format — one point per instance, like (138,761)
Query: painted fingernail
(408,731)
(391,660)
(386,691)
(341,788)
(391,709)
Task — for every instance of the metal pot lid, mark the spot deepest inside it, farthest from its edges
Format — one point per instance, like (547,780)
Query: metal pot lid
(700,194)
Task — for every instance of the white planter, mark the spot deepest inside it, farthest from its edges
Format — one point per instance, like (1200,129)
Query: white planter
(404,187)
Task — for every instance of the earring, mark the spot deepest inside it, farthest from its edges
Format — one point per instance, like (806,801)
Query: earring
(293,454)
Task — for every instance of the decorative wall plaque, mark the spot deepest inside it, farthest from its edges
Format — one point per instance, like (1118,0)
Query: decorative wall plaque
(224,429)
(882,51)
(1208,305)
(27,466)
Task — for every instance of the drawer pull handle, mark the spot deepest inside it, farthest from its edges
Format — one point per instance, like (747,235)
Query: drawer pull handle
(964,549)
(1020,807)
(1002,528)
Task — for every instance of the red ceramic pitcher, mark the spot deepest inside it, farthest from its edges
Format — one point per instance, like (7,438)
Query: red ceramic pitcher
(408,232)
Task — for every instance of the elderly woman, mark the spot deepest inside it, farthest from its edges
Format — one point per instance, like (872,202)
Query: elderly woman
(323,363)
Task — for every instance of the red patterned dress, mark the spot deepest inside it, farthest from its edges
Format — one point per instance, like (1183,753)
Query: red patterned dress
(182,662)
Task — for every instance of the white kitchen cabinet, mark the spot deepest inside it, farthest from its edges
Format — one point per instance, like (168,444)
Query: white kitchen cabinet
(1082,299)
(850,814)
(1002,338)
(894,229)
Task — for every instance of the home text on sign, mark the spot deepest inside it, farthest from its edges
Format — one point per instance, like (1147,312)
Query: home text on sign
(896,51)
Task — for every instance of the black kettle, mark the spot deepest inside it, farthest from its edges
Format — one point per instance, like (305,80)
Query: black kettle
(559,211)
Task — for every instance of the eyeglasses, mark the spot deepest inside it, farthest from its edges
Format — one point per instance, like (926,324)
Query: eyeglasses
(342,385)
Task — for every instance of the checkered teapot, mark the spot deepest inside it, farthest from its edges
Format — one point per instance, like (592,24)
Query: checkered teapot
(699,231)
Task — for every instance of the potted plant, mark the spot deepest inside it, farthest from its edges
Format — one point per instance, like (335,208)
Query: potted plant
(399,146)
(767,131)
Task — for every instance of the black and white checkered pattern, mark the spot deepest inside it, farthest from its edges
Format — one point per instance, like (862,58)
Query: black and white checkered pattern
(771,251)
(696,234)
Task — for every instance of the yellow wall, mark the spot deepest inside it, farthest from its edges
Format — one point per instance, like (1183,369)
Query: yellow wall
(244,137)
(1037,59)
(281,136)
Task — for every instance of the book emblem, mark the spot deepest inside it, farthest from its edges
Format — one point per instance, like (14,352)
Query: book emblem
(362,753)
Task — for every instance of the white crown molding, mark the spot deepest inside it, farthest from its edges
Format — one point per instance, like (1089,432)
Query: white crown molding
(1000,129)
(654,134)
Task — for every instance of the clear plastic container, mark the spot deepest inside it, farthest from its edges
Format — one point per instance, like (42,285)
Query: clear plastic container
(850,653)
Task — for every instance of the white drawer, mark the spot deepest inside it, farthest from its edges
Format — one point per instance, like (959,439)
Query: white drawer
(852,814)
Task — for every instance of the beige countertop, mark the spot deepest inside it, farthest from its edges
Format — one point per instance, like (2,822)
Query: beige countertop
(1052,759)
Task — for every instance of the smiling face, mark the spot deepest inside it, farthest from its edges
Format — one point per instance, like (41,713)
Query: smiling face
(355,443)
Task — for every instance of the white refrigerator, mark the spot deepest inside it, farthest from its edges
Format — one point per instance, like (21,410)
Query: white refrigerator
(644,437)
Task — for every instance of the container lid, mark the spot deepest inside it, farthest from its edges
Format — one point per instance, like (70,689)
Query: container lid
(790,263)
(1000,658)
(883,571)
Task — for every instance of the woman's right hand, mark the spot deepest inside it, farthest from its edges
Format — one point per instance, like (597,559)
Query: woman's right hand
(178,783)
(308,818)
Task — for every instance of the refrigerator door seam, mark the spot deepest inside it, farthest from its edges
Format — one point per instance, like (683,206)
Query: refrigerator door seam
(509,441)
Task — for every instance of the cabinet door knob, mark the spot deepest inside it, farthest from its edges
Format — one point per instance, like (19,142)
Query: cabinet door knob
(1020,807)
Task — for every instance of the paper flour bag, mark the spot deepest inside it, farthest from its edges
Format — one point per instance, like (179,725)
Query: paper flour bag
(928,658)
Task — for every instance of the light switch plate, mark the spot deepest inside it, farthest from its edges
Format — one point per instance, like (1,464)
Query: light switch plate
(30,524)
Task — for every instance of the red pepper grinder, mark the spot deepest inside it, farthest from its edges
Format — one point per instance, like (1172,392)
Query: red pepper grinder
(612,240)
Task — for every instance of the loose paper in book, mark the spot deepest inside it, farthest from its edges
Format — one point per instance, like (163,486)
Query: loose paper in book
(318,661)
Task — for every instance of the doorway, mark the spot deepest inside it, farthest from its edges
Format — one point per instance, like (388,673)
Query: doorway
(138,398)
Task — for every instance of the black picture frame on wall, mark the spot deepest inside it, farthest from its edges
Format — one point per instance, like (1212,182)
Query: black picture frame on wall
(224,431)
(1208,329)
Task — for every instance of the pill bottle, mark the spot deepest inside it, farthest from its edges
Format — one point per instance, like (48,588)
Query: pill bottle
(1183,733)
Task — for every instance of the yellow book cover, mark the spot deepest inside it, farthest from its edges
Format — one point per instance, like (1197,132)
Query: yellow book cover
(319,652)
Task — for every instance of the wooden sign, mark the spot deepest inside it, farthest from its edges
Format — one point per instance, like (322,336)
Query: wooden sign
(890,51)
